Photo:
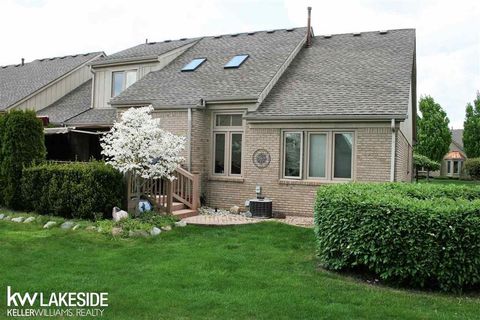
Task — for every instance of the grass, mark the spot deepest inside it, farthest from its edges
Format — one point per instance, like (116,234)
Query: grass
(260,271)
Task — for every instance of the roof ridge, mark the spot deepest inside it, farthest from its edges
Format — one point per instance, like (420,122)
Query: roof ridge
(362,32)
(229,34)
(54,58)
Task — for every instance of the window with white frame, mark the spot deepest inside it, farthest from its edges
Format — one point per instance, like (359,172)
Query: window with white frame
(228,144)
(318,155)
(121,80)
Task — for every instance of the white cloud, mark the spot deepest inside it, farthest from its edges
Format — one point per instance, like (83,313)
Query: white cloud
(448,32)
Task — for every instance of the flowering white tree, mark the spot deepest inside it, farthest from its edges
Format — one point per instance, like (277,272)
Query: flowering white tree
(138,146)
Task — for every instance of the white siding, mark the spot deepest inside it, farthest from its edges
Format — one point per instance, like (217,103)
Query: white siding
(55,91)
(407,126)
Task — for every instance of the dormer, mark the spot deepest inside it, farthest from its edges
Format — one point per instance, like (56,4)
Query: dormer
(115,73)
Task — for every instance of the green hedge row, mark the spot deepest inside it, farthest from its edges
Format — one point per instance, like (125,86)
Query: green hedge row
(73,190)
(416,235)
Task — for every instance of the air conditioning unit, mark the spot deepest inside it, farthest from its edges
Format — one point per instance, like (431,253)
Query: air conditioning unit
(261,208)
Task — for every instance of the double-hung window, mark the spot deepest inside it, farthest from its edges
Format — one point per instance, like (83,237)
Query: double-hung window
(318,155)
(121,80)
(227,144)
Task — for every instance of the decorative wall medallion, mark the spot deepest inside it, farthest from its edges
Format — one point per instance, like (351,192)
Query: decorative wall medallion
(261,158)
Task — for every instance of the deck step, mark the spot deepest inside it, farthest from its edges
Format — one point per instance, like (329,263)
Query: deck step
(184,213)
(178,206)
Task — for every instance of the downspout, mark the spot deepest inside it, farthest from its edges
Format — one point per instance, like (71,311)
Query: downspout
(392,156)
(189,138)
(93,87)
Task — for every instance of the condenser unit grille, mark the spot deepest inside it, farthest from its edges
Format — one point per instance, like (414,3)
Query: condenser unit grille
(261,208)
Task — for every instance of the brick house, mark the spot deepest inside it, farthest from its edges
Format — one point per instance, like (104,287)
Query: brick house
(281,109)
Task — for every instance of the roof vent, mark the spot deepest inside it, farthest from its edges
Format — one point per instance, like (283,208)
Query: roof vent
(234,35)
(183,39)
(327,36)
(52,59)
(150,43)
(383,31)
(270,31)
(290,30)
(251,33)
(75,55)
(357,34)
(166,41)
(217,37)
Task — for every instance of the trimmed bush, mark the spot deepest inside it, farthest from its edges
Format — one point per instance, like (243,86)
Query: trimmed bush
(73,190)
(416,235)
(21,144)
(473,167)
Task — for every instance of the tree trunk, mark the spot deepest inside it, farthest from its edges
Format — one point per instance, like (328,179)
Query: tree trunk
(416,174)
(428,175)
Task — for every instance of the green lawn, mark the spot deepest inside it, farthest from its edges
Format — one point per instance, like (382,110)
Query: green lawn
(261,271)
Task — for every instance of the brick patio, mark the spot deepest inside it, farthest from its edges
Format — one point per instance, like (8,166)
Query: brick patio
(228,220)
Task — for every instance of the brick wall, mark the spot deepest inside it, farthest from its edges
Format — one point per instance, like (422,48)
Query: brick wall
(175,122)
(373,159)
(403,159)
(372,163)
(373,147)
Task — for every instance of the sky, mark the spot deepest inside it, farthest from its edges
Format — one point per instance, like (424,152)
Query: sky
(448,32)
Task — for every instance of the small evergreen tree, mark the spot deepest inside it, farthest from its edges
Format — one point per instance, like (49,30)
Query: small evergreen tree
(22,143)
(471,129)
(434,136)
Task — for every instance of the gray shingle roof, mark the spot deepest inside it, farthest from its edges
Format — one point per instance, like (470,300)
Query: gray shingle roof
(18,82)
(94,117)
(346,75)
(70,105)
(267,52)
(144,50)
(457,137)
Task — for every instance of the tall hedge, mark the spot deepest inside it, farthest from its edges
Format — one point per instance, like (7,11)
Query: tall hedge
(22,143)
(73,190)
(416,235)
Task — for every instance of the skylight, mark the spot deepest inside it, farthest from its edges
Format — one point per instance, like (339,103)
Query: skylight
(236,61)
(194,64)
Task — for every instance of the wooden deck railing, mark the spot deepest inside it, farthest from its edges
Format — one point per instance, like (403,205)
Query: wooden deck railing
(185,188)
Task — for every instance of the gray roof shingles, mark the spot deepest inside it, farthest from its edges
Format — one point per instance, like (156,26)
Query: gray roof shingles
(346,75)
(17,82)
(70,105)
(170,86)
(94,117)
(145,50)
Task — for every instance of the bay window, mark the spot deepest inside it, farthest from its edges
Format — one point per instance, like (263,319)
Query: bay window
(228,144)
(318,155)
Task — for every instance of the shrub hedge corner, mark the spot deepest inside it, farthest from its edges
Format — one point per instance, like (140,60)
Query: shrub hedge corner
(415,235)
(73,190)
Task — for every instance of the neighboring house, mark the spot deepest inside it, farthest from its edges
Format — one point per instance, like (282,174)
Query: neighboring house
(282,110)
(452,164)
(43,85)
